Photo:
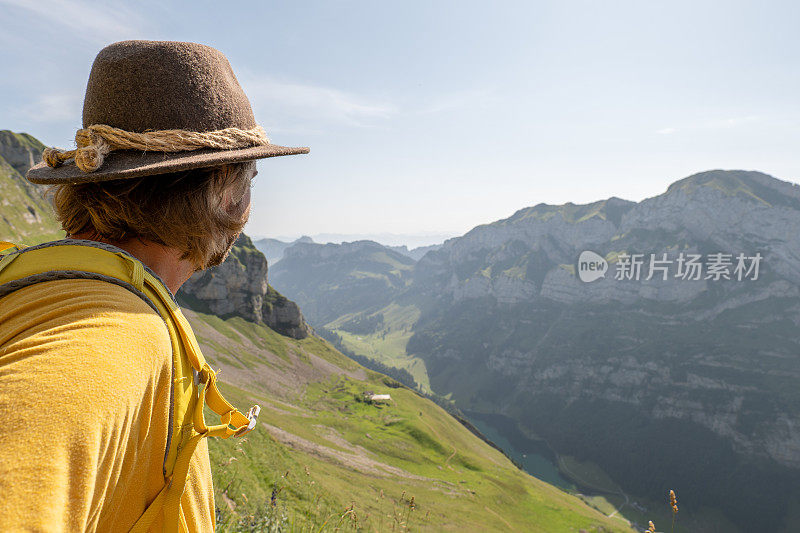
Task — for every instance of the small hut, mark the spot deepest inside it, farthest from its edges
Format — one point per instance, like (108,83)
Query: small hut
(371,397)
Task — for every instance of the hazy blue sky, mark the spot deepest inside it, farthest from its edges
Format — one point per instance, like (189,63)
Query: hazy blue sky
(439,116)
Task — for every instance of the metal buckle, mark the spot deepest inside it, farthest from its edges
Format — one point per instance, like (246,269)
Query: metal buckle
(251,415)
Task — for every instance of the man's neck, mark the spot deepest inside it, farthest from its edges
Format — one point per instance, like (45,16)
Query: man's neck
(164,261)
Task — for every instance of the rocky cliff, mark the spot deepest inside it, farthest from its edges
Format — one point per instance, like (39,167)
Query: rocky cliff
(239,287)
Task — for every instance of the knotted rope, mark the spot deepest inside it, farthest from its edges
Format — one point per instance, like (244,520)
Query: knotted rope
(95,142)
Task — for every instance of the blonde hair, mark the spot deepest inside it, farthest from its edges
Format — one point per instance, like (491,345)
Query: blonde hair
(199,212)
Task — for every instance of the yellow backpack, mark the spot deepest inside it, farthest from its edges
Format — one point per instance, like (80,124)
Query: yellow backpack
(75,259)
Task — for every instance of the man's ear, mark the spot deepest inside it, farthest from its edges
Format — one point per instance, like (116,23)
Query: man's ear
(237,207)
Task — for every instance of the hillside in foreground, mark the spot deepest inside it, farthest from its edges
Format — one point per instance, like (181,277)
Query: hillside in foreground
(320,448)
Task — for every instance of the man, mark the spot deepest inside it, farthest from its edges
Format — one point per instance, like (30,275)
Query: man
(101,381)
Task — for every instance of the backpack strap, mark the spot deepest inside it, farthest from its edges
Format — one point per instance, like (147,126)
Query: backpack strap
(5,245)
(89,260)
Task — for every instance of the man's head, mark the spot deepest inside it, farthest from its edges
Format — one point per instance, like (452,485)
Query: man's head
(199,212)
(166,152)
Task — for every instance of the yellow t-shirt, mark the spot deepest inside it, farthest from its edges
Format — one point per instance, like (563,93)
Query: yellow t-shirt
(85,371)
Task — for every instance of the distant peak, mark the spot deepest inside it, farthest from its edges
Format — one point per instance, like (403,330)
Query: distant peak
(725,178)
(747,184)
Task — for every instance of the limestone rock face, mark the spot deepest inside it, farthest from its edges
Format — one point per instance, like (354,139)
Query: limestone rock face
(239,287)
(284,316)
(236,287)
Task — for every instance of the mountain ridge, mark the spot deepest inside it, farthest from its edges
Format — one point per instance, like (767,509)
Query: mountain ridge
(498,319)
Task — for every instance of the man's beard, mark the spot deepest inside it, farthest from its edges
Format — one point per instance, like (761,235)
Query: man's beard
(219,257)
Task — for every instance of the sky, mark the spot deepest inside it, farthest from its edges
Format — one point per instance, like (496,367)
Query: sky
(428,118)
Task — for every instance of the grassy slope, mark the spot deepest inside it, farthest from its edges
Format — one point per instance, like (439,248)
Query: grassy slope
(323,449)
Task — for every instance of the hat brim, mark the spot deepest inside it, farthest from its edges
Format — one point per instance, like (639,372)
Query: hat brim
(132,164)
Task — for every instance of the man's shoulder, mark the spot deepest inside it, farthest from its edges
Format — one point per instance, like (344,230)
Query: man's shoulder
(89,311)
(76,295)
(85,385)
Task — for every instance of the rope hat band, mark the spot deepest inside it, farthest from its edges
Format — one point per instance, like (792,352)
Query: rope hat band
(95,142)
(158,107)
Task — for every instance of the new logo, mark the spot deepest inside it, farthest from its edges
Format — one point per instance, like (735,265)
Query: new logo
(591,266)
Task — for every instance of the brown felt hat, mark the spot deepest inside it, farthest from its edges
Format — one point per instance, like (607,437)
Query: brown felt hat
(141,86)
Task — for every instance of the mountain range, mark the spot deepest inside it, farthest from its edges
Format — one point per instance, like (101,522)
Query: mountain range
(658,379)
(273,249)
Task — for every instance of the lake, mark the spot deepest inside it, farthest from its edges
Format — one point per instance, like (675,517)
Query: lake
(535,456)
